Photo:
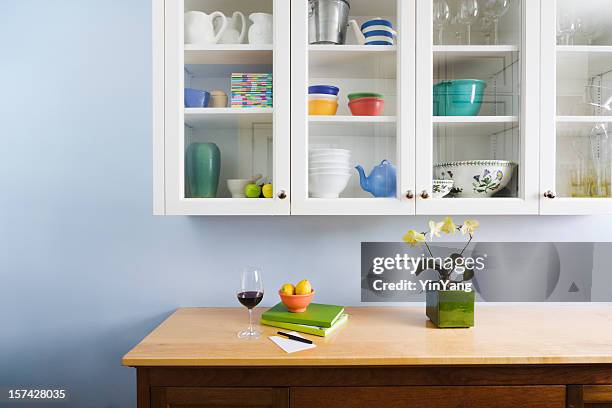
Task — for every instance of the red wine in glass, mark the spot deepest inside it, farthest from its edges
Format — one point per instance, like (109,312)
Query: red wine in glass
(250,299)
(249,294)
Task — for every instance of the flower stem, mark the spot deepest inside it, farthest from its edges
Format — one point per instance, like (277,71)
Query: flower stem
(466,245)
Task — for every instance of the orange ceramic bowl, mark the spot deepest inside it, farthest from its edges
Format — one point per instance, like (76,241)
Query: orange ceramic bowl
(367,106)
(322,107)
(296,303)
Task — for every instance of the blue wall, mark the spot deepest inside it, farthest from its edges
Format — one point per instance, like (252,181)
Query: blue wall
(86,270)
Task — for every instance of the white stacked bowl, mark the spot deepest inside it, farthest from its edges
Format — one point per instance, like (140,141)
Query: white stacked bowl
(329,171)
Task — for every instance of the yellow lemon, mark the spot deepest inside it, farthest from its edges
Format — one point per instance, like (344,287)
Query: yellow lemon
(288,289)
(267,191)
(303,287)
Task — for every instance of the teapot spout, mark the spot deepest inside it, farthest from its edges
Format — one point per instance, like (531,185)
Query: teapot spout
(363,180)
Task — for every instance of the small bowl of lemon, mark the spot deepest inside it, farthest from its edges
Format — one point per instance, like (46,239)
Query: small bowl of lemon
(296,298)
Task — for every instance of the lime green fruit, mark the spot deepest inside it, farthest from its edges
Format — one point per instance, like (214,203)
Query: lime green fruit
(252,191)
(267,191)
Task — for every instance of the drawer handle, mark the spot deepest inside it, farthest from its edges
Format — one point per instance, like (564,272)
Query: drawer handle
(424,195)
(282,195)
(549,194)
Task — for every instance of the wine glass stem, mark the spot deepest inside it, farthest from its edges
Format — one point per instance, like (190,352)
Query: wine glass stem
(251,321)
(440,35)
(496,31)
(468,34)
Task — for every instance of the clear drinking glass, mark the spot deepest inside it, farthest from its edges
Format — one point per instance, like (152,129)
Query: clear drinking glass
(493,10)
(249,295)
(467,13)
(441,17)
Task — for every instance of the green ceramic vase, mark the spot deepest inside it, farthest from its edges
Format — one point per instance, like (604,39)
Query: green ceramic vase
(451,308)
(202,166)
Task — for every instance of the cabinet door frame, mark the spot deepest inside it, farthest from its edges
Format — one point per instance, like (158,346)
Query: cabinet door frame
(548,133)
(168,120)
(527,202)
(403,204)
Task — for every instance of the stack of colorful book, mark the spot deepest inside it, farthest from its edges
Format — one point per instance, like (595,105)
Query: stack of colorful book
(318,319)
(250,90)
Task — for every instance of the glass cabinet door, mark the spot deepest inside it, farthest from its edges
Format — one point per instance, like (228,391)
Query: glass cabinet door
(225,108)
(576,107)
(477,106)
(352,67)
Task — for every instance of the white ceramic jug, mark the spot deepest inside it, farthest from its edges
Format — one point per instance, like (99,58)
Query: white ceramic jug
(261,30)
(232,35)
(199,27)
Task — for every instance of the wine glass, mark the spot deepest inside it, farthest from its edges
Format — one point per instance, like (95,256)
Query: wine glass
(441,17)
(467,13)
(249,295)
(493,10)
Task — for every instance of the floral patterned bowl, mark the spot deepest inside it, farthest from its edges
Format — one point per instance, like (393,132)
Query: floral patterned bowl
(476,178)
(441,188)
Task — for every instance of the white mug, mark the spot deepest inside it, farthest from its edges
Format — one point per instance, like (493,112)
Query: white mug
(199,27)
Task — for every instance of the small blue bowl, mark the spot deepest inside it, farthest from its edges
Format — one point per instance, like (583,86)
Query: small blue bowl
(323,89)
(194,98)
(380,22)
(377,33)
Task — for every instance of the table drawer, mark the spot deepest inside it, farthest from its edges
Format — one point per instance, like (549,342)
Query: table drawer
(429,397)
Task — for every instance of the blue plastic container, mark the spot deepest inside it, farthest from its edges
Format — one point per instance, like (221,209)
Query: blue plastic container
(461,97)
(194,98)
(323,89)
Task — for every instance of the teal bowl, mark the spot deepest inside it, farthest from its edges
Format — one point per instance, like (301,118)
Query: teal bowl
(461,97)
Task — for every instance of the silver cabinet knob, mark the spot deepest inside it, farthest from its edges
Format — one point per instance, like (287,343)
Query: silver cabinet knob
(550,194)
(409,195)
(424,195)
(282,195)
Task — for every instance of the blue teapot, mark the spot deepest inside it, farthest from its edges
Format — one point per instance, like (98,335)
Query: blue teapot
(382,180)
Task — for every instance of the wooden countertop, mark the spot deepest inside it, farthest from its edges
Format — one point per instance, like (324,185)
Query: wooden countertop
(523,334)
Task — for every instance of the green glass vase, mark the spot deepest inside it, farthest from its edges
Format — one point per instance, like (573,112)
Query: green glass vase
(451,308)
(202,167)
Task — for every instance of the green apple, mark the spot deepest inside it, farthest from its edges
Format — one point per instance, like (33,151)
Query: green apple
(252,191)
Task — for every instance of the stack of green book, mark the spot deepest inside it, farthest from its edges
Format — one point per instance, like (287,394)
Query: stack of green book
(318,319)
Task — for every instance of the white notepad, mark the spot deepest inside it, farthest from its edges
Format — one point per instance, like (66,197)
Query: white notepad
(291,346)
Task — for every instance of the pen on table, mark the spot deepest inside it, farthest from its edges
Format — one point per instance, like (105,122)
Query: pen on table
(296,338)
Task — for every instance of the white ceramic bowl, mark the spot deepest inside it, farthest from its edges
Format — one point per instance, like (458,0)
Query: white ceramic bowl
(441,188)
(236,187)
(325,164)
(329,151)
(317,97)
(476,178)
(327,185)
(330,170)
(329,158)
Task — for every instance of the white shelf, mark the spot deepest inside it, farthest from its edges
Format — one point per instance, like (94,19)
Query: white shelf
(584,119)
(475,119)
(475,50)
(351,119)
(352,61)
(227,117)
(584,49)
(244,54)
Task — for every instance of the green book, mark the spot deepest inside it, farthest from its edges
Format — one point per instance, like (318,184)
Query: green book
(316,315)
(315,330)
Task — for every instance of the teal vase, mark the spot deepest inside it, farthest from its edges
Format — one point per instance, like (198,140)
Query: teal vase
(202,166)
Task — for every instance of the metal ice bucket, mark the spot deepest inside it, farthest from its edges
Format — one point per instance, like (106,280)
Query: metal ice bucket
(327,21)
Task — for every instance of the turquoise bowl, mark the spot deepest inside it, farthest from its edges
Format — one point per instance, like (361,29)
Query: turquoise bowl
(461,97)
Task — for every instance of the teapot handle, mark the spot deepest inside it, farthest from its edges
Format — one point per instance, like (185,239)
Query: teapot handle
(223,25)
(243,30)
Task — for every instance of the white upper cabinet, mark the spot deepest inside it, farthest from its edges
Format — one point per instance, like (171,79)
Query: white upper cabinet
(206,148)
(477,106)
(382,145)
(466,107)
(576,107)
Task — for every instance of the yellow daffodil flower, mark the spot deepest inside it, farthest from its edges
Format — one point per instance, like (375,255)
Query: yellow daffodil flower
(434,229)
(469,226)
(414,238)
(448,226)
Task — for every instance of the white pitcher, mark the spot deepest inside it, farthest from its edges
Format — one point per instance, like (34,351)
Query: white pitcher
(232,35)
(199,28)
(261,30)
